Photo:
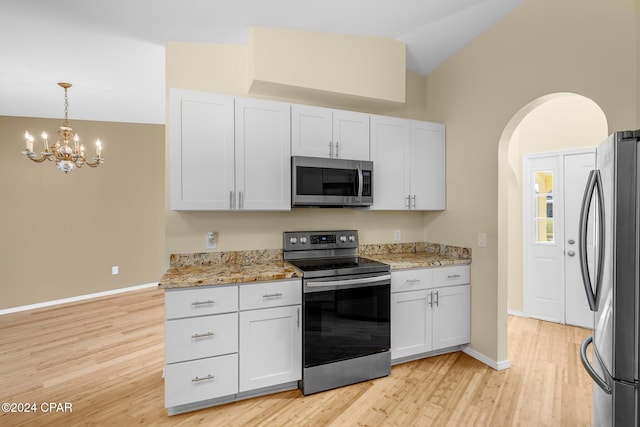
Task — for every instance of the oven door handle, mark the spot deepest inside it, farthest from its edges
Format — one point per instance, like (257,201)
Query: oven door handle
(347,282)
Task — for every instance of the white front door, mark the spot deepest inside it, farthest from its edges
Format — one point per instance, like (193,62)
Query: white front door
(543,264)
(553,189)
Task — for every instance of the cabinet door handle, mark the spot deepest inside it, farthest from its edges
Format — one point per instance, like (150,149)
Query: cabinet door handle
(205,335)
(408,205)
(437,299)
(337,150)
(197,303)
(276,295)
(197,379)
(231,199)
(330,150)
(430,299)
(241,200)
(298,318)
(413,197)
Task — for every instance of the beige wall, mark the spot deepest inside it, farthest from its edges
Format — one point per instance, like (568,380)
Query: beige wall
(543,47)
(62,233)
(343,65)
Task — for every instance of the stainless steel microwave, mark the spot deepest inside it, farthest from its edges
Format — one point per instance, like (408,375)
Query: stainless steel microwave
(325,182)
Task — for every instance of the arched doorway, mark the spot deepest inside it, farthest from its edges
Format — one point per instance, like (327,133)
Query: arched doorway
(560,121)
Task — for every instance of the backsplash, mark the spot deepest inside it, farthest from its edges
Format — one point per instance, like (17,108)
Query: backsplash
(262,256)
(398,248)
(265,256)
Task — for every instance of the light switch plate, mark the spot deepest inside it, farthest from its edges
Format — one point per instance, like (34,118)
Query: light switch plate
(482,240)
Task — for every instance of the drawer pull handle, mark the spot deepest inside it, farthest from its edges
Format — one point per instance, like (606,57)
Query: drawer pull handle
(208,334)
(453,276)
(197,303)
(208,377)
(276,295)
(412,281)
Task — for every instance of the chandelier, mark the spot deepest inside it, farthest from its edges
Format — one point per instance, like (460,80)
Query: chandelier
(67,154)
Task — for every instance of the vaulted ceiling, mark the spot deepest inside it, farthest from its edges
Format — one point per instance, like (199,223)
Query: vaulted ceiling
(113,51)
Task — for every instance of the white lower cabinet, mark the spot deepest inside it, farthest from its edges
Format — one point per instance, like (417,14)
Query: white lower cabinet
(224,343)
(451,316)
(426,317)
(270,347)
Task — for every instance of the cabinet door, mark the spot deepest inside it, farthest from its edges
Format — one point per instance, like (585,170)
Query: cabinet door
(270,347)
(351,135)
(428,166)
(410,323)
(263,155)
(390,153)
(311,131)
(451,316)
(201,150)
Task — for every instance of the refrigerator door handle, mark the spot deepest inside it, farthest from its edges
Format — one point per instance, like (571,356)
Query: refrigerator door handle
(594,183)
(592,373)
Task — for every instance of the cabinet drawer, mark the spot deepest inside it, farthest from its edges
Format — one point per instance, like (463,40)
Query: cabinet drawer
(200,301)
(199,337)
(270,294)
(411,280)
(203,379)
(447,276)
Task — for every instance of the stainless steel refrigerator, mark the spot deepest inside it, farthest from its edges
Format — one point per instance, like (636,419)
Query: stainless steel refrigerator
(610,218)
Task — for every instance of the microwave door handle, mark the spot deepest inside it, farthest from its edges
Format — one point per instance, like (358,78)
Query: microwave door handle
(360,183)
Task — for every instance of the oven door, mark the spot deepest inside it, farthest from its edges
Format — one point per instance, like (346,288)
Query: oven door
(346,317)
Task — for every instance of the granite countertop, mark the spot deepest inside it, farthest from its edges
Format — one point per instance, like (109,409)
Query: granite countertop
(400,261)
(416,255)
(220,268)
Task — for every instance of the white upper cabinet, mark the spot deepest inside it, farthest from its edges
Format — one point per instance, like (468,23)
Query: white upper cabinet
(263,155)
(409,164)
(323,132)
(428,166)
(391,155)
(201,150)
(228,153)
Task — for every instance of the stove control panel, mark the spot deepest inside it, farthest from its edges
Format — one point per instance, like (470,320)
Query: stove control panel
(314,240)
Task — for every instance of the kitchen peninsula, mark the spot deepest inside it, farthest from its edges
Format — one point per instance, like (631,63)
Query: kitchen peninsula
(233,319)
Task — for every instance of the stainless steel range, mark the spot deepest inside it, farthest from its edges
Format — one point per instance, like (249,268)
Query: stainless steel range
(346,309)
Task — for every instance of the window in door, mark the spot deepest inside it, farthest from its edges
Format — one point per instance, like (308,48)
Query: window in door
(543,205)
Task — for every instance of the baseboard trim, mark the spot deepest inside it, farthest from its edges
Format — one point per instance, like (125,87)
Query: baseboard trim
(516,313)
(75,299)
(497,365)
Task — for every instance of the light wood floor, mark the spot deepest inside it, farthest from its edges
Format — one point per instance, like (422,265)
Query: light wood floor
(105,357)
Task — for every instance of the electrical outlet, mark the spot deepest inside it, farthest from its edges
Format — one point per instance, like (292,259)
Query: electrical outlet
(114,270)
(397,235)
(212,239)
(482,240)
